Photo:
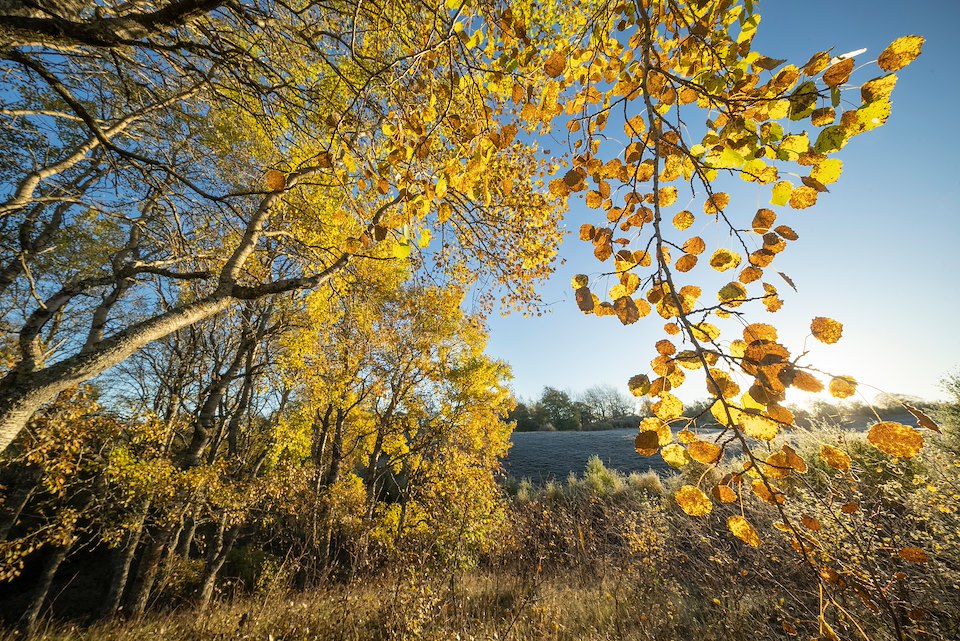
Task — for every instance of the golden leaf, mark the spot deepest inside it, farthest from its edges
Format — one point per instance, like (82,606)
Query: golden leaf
(878,88)
(668,407)
(692,501)
(686,262)
(724,494)
(761,490)
(704,452)
(759,332)
(683,220)
(675,455)
(839,73)
(786,232)
(817,63)
(822,117)
(724,259)
(826,330)
(842,386)
(807,382)
(694,245)
(913,555)
(716,203)
(742,529)
(803,197)
(686,437)
(758,427)
(555,64)
(593,199)
(895,439)
(667,196)
(835,458)
(810,523)
(763,220)
(900,53)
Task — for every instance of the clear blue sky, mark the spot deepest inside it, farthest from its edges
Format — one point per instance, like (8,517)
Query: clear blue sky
(879,253)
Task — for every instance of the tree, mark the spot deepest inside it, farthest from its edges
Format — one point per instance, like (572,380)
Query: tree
(607,402)
(559,409)
(187,157)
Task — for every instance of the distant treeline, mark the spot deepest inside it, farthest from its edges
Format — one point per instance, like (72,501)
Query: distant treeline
(601,407)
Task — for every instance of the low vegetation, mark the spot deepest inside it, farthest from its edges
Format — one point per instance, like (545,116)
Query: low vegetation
(610,556)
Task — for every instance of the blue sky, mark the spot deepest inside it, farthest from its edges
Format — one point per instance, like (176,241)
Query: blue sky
(879,253)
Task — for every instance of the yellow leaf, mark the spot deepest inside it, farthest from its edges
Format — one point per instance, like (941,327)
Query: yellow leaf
(716,203)
(835,458)
(683,220)
(667,196)
(878,88)
(842,386)
(803,197)
(425,237)
(758,427)
(668,407)
(692,501)
(900,53)
(639,385)
(742,529)
(781,193)
(827,171)
(675,455)
(724,494)
(724,259)
(895,439)
(826,330)
(401,249)
(704,452)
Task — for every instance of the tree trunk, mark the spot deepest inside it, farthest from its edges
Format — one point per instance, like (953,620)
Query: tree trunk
(29,619)
(147,569)
(219,548)
(23,392)
(120,566)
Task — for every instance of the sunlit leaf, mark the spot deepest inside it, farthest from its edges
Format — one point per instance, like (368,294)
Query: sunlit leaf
(839,73)
(842,387)
(895,439)
(692,501)
(922,419)
(555,64)
(835,458)
(668,407)
(675,455)
(781,193)
(724,259)
(758,427)
(716,203)
(826,330)
(900,53)
(742,529)
(803,197)
(724,494)
(704,452)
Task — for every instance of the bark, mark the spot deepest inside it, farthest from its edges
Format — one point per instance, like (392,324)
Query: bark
(220,547)
(147,568)
(29,619)
(121,563)
(23,392)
